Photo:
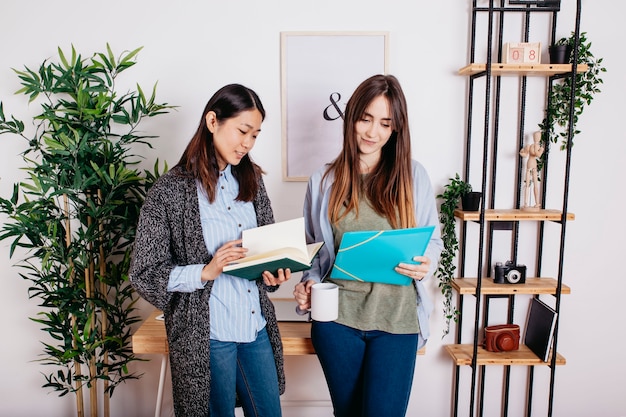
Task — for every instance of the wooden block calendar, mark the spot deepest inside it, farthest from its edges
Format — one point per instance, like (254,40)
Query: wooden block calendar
(522,53)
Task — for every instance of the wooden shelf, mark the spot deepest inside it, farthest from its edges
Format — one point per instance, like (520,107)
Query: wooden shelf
(462,355)
(488,287)
(513,215)
(542,70)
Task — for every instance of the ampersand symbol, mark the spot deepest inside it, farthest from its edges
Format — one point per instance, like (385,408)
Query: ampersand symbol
(333,104)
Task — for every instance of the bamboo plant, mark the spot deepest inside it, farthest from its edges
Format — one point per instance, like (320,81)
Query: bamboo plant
(74,216)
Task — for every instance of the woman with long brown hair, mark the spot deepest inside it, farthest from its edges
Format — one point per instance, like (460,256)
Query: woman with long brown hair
(368,353)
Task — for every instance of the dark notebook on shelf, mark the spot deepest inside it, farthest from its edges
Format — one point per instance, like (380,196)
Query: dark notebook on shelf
(540,328)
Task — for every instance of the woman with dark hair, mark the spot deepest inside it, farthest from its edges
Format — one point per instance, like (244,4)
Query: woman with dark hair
(368,353)
(224,344)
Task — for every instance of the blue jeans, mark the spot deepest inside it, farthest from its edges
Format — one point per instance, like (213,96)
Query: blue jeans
(369,373)
(246,371)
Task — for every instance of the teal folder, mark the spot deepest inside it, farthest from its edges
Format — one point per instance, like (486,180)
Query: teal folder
(371,256)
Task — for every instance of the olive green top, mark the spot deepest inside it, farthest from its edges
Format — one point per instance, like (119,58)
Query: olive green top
(373,306)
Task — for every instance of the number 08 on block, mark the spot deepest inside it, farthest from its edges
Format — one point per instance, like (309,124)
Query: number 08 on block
(522,53)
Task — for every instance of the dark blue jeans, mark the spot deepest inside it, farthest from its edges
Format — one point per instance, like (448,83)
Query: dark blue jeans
(369,373)
(247,370)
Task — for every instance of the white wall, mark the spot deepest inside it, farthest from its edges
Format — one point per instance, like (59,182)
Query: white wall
(192,48)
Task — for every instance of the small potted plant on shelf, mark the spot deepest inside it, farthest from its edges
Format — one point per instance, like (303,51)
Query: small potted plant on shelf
(454,191)
(560,52)
(470,200)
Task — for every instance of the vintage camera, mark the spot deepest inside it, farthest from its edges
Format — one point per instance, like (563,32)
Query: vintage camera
(501,338)
(509,273)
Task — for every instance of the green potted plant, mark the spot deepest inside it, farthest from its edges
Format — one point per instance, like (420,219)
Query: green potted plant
(452,194)
(470,200)
(75,216)
(558,102)
(560,51)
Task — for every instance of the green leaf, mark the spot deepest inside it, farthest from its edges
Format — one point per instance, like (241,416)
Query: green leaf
(111,57)
(63,60)
(125,59)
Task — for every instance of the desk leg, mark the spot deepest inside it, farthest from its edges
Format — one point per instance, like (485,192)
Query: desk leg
(159,401)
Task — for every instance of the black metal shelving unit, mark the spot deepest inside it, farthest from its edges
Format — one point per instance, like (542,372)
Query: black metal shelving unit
(491,220)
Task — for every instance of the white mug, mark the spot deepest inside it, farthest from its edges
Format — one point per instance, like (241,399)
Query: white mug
(324,301)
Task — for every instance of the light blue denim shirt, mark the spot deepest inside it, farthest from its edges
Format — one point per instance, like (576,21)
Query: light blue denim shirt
(318,227)
(234,302)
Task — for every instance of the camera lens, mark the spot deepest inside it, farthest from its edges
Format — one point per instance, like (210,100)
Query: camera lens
(513,276)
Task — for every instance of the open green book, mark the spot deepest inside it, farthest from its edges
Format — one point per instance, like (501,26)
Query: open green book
(372,255)
(274,246)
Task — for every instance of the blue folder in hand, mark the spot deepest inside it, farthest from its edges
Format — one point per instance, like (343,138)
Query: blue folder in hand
(371,256)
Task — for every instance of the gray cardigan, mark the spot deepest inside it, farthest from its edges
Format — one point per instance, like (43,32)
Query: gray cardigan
(169,233)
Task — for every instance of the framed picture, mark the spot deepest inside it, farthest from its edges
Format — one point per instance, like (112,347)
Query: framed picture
(319,72)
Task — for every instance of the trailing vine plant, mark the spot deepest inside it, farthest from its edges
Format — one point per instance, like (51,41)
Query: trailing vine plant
(75,215)
(587,86)
(453,191)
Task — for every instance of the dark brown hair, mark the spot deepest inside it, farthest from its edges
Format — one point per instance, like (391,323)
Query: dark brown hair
(389,187)
(199,158)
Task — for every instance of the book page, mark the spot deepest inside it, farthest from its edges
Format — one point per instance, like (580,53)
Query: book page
(287,234)
(313,248)
(260,258)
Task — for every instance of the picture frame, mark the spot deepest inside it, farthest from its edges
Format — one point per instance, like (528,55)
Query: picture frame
(319,72)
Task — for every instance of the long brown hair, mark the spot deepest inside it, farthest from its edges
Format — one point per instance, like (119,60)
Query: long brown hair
(389,187)
(199,158)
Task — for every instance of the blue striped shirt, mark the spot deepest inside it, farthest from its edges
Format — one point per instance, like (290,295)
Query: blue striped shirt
(234,302)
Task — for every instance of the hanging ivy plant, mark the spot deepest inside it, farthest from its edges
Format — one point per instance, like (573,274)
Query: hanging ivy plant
(453,191)
(555,124)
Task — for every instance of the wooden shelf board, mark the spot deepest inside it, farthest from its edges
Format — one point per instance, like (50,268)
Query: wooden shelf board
(462,355)
(513,215)
(532,286)
(543,70)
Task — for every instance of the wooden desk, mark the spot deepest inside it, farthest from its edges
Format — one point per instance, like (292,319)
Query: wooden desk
(151,338)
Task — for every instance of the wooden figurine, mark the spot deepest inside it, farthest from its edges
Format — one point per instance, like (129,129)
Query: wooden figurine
(531,178)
